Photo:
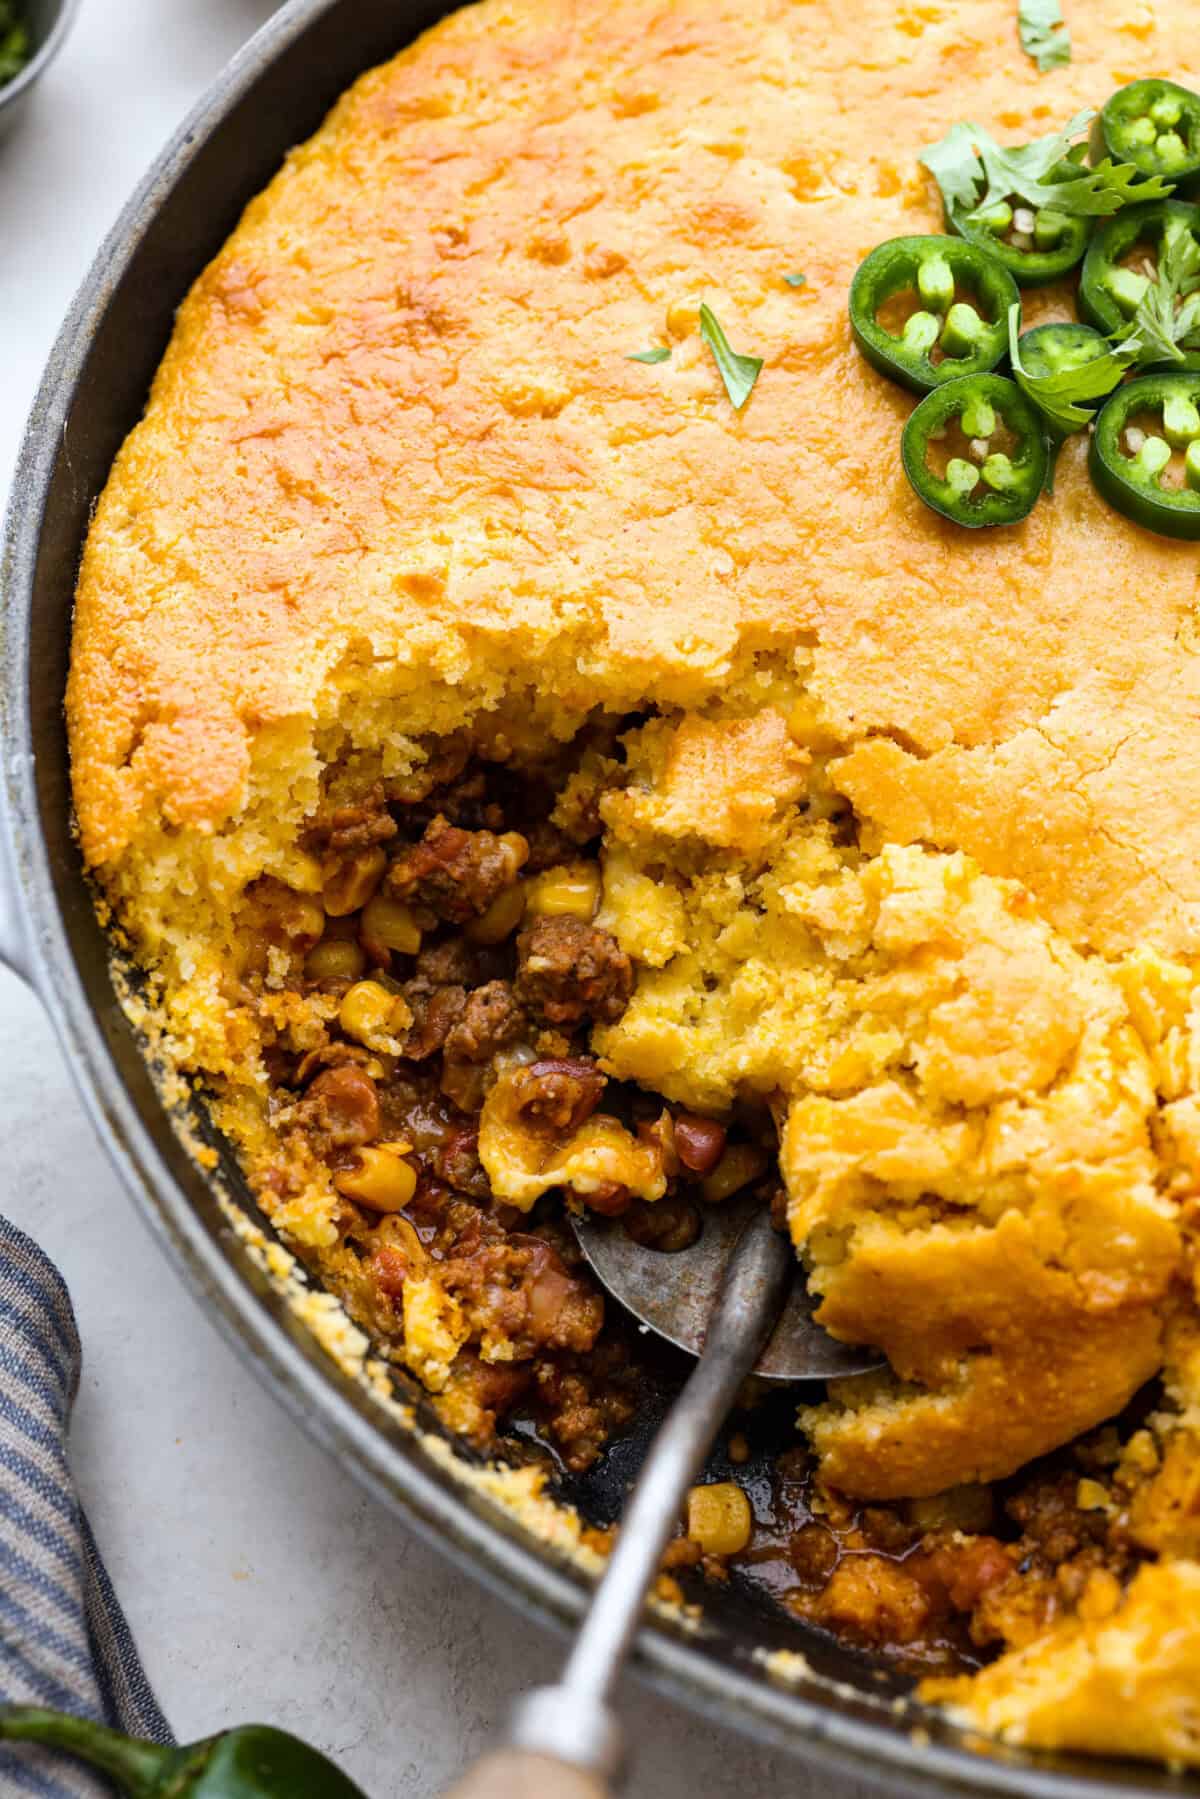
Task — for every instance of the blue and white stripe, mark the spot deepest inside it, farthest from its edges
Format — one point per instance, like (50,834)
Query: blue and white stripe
(64,1641)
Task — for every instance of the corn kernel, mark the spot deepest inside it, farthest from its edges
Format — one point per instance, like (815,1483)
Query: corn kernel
(572,890)
(305,921)
(303,873)
(351,880)
(391,925)
(719,1518)
(335,959)
(380,1178)
(683,314)
(516,849)
(1140,1454)
(367,1012)
(1091,1496)
(501,918)
(741,1164)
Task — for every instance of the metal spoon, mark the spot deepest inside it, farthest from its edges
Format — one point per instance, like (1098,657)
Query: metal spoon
(733,1300)
(674,1292)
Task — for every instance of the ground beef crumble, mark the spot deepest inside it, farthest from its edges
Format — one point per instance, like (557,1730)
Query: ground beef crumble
(568,970)
(491,1021)
(455,873)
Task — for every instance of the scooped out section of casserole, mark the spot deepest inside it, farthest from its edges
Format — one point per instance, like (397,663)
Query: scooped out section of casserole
(529,782)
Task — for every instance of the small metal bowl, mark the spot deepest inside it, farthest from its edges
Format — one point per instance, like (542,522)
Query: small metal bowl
(49,22)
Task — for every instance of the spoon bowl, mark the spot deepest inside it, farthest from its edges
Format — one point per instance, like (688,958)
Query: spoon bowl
(673,1292)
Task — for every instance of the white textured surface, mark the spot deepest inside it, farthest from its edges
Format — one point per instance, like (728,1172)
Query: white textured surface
(258,1580)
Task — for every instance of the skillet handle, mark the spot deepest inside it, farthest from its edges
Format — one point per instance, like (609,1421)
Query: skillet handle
(521,1774)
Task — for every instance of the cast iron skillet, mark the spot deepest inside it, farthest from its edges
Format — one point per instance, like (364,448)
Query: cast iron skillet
(273,95)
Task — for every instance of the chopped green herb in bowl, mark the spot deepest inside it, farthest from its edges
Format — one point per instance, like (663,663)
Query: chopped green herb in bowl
(15,44)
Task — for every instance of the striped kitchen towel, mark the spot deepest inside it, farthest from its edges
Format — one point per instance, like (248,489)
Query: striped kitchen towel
(64,1641)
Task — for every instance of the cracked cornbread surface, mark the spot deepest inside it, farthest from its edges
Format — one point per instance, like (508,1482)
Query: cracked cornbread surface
(898,828)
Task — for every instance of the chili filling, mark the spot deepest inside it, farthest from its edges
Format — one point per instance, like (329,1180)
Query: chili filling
(456,953)
(459,955)
(931,1584)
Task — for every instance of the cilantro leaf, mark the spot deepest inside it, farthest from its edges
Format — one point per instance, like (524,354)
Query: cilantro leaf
(1045,38)
(1168,320)
(955,166)
(796,280)
(739,373)
(1047,172)
(1098,192)
(659,353)
(1057,396)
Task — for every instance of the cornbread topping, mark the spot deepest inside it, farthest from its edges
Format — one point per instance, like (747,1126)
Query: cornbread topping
(536,771)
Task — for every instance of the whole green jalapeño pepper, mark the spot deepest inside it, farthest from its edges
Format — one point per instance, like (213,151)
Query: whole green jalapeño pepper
(1155,125)
(1112,286)
(1035,244)
(925,310)
(1145,454)
(252,1762)
(975,451)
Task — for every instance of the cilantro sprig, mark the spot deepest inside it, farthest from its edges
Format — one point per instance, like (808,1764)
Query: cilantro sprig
(739,373)
(974,173)
(1045,37)
(659,353)
(1167,321)
(1058,396)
